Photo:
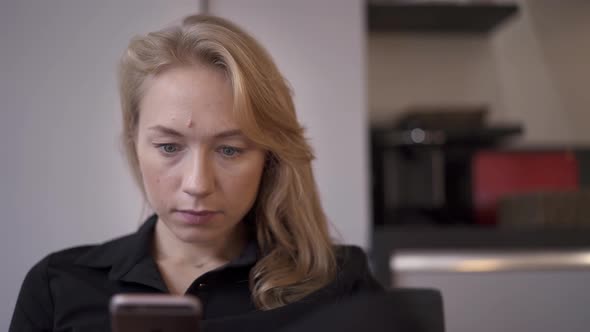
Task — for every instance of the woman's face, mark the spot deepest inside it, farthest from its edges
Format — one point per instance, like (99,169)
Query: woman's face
(200,173)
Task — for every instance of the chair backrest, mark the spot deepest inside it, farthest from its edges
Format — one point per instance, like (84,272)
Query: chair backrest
(407,310)
(498,173)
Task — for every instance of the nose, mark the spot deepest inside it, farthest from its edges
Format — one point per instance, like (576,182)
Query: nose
(199,177)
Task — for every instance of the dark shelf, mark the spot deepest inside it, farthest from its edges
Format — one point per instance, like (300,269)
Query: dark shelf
(437,17)
(479,136)
(479,237)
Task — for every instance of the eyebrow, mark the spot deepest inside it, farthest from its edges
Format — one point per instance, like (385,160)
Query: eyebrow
(172,132)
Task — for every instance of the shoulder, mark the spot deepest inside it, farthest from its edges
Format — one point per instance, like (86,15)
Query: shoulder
(351,261)
(77,256)
(84,255)
(354,273)
(35,304)
(37,276)
(65,257)
(350,257)
(37,280)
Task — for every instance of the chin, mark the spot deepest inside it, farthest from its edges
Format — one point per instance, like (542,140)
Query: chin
(192,235)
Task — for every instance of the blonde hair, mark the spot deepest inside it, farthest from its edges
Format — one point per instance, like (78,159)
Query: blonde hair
(297,254)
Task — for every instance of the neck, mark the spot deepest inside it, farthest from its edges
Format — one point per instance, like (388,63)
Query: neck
(168,247)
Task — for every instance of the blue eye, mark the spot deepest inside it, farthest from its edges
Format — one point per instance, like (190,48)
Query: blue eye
(168,148)
(229,151)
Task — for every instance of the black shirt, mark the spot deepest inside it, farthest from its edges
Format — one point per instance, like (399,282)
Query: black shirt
(70,290)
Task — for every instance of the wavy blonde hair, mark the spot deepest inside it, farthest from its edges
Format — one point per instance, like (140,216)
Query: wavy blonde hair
(297,254)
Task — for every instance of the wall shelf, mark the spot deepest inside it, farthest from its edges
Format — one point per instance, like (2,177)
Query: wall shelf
(437,17)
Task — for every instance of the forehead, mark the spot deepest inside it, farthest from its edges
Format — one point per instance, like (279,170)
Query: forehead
(199,95)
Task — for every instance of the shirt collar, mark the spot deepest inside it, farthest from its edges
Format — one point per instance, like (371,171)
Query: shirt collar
(129,257)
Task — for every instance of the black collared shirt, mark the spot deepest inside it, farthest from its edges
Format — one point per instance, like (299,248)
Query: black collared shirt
(70,290)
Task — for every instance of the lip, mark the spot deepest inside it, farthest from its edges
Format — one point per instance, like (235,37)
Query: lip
(194,217)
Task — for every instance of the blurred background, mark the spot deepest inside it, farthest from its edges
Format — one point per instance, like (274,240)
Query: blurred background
(451,139)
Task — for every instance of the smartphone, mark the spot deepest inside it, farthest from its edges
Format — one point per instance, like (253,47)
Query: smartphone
(155,313)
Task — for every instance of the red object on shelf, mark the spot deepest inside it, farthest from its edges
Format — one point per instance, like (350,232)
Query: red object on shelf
(499,173)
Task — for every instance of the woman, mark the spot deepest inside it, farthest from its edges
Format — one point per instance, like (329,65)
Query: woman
(212,138)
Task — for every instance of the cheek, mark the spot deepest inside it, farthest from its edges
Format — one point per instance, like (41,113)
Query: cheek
(156,181)
(242,185)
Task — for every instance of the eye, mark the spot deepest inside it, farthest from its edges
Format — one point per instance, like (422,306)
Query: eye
(168,148)
(229,151)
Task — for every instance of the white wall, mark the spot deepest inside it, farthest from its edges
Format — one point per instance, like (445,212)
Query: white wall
(63,180)
(409,69)
(320,47)
(533,69)
(544,72)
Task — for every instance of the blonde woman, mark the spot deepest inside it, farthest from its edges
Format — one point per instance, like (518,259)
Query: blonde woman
(212,138)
